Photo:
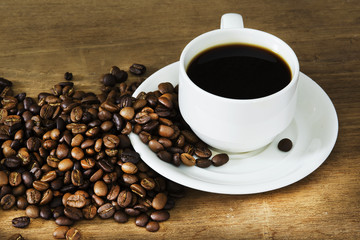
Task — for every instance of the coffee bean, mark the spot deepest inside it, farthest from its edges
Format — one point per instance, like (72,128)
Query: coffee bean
(160,216)
(12,162)
(159,201)
(16,237)
(142,220)
(77,177)
(49,176)
(64,221)
(111,141)
(100,188)
(138,189)
(32,211)
(45,212)
(73,213)
(130,156)
(113,193)
(7,201)
(21,203)
(152,226)
(106,211)
(73,234)
(65,164)
(60,232)
(76,114)
(108,80)
(21,222)
(46,197)
(137,69)
(220,159)
(89,212)
(121,217)
(203,162)
(285,145)
(33,196)
(40,185)
(187,159)
(124,199)
(165,156)
(77,201)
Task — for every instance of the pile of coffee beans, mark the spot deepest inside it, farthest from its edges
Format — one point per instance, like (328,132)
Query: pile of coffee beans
(66,155)
(159,124)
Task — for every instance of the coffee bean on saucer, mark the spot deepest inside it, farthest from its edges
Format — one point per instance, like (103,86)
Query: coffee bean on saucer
(220,159)
(285,145)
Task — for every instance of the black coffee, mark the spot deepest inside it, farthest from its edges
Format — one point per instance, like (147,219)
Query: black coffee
(239,71)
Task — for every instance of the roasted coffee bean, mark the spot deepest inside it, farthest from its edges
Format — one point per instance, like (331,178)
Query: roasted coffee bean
(142,220)
(202,151)
(12,162)
(68,76)
(62,151)
(108,80)
(4,180)
(7,201)
(60,232)
(124,199)
(40,185)
(77,177)
(160,216)
(155,146)
(76,114)
(100,188)
(152,226)
(21,203)
(113,193)
(58,211)
(73,213)
(49,176)
(21,222)
(121,217)
(220,159)
(76,201)
(32,211)
(15,179)
(64,221)
(33,144)
(129,167)
(46,197)
(137,69)
(187,159)
(203,162)
(89,212)
(285,145)
(33,196)
(148,183)
(73,234)
(159,201)
(45,212)
(111,141)
(65,164)
(106,165)
(138,189)
(165,156)
(106,211)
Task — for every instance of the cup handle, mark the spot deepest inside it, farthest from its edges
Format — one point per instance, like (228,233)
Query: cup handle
(231,20)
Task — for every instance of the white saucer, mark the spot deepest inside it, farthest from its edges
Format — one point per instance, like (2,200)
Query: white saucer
(313,132)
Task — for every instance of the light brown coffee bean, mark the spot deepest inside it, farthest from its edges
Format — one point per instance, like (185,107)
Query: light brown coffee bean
(129,167)
(60,232)
(77,153)
(32,211)
(65,165)
(76,201)
(73,234)
(187,159)
(100,188)
(159,201)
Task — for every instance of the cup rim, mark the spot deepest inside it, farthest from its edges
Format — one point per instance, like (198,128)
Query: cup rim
(293,81)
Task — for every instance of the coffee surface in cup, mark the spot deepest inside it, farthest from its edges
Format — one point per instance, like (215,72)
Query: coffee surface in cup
(239,71)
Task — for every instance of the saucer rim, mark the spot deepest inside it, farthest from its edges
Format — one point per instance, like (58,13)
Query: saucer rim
(199,184)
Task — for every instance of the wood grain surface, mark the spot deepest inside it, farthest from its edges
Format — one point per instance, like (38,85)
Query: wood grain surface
(40,40)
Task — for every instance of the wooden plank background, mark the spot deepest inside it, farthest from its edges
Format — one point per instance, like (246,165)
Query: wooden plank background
(40,40)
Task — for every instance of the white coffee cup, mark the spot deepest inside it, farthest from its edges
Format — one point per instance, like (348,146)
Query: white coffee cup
(237,125)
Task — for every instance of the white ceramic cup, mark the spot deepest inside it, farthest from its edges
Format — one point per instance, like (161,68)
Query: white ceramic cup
(237,125)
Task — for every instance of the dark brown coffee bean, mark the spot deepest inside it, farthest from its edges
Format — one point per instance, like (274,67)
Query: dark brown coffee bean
(176,160)
(285,145)
(108,80)
(106,211)
(77,177)
(159,201)
(33,196)
(21,203)
(106,165)
(202,151)
(142,220)
(165,156)
(76,201)
(166,87)
(16,237)
(187,159)
(7,201)
(45,212)
(132,212)
(203,162)
(220,159)
(73,213)
(160,216)
(33,144)
(76,114)
(21,222)
(121,217)
(190,136)
(62,151)
(73,234)
(113,193)
(46,197)
(12,162)
(27,178)
(142,118)
(89,212)
(120,75)
(124,199)
(46,111)
(32,211)
(60,232)
(152,226)
(137,69)
(64,221)
(130,156)
(148,183)
(138,189)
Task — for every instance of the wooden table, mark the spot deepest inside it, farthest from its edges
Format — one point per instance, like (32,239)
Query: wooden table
(40,40)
